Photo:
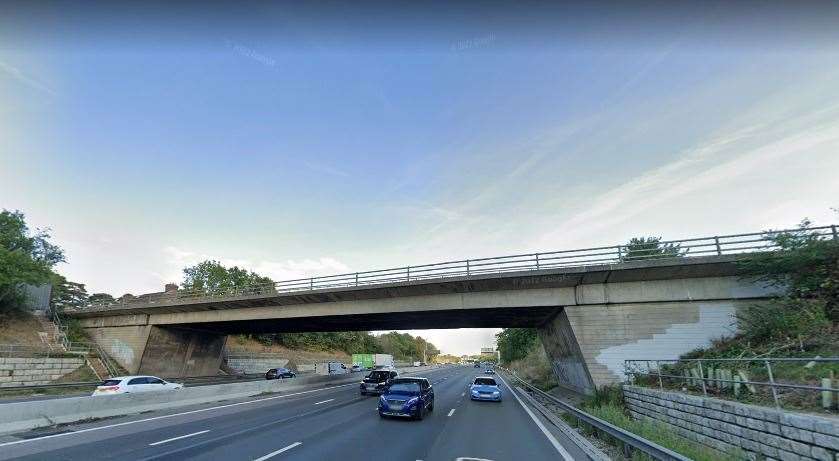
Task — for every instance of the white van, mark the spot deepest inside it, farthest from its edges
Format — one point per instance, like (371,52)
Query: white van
(331,368)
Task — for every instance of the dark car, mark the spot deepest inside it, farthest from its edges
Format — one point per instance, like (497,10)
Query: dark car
(477,365)
(277,373)
(408,398)
(376,381)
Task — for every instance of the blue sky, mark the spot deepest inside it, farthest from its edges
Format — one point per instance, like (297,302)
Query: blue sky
(302,142)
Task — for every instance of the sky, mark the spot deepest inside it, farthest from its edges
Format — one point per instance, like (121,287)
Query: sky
(300,140)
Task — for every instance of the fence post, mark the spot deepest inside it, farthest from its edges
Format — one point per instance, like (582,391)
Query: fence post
(356,279)
(772,382)
(835,234)
(702,378)
(537,261)
(467,267)
(717,243)
(658,367)
(408,272)
(620,253)
(312,283)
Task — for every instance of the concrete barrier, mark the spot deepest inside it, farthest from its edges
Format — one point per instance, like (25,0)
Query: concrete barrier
(21,416)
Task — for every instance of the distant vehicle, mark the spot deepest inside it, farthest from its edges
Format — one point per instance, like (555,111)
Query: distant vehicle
(277,373)
(356,368)
(376,381)
(134,385)
(331,368)
(423,364)
(382,360)
(365,361)
(477,365)
(485,389)
(407,397)
(417,364)
(489,371)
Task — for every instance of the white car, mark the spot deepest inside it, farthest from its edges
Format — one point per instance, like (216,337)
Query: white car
(134,385)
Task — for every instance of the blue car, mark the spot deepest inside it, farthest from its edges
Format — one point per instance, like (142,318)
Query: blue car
(407,398)
(484,388)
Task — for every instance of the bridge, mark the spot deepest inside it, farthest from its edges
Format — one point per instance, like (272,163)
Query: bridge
(593,308)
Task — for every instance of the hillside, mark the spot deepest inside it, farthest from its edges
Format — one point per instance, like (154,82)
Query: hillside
(240,344)
(20,330)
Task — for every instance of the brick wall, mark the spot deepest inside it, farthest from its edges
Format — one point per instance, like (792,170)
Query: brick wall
(16,371)
(763,433)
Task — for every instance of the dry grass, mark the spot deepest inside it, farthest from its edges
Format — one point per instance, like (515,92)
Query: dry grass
(536,369)
(237,344)
(20,330)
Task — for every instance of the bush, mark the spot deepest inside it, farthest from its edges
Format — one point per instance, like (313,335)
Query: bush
(782,319)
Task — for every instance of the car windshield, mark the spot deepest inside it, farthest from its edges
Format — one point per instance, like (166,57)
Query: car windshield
(404,388)
(110,382)
(379,375)
(485,382)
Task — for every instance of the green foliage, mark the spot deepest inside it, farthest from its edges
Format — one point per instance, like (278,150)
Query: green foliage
(806,266)
(641,248)
(212,277)
(66,294)
(100,298)
(782,319)
(25,258)
(405,347)
(514,343)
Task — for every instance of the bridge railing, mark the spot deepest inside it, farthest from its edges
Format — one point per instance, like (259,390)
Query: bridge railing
(640,251)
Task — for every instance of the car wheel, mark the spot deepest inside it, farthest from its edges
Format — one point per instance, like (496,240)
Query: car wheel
(431,407)
(381,415)
(420,412)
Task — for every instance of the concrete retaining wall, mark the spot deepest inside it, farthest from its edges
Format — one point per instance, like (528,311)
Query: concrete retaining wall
(19,371)
(21,416)
(255,365)
(763,433)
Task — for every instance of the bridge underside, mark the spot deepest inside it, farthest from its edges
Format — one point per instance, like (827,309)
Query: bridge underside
(511,317)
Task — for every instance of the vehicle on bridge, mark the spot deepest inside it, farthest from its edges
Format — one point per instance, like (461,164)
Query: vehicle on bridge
(376,381)
(278,373)
(134,385)
(407,397)
(485,389)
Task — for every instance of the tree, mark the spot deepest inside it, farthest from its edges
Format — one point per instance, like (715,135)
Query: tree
(66,294)
(641,248)
(805,264)
(514,343)
(25,258)
(100,298)
(211,277)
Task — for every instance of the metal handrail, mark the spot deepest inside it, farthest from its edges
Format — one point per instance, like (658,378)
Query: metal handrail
(603,255)
(635,441)
(643,367)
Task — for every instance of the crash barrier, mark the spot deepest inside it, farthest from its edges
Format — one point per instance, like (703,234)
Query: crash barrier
(21,416)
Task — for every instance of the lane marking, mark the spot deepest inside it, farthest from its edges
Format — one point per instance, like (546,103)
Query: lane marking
(201,410)
(155,418)
(562,452)
(451,412)
(323,401)
(178,438)
(275,453)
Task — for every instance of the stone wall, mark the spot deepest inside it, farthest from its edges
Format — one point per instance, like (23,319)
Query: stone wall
(762,433)
(18,371)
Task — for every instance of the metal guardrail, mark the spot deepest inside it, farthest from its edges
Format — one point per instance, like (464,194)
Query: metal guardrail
(719,377)
(188,382)
(634,441)
(702,246)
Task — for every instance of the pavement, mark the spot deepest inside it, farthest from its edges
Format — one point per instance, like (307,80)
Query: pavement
(331,423)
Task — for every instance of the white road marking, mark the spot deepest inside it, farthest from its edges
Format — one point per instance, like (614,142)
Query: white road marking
(275,453)
(323,401)
(562,452)
(178,438)
(451,412)
(155,418)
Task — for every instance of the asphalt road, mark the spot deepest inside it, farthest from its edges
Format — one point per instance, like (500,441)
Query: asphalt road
(334,423)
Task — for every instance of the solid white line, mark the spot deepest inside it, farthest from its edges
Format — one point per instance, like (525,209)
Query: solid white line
(562,452)
(451,412)
(179,438)
(323,401)
(275,453)
(155,418)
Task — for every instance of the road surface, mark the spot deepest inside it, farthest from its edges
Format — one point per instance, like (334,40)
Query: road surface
(334,423)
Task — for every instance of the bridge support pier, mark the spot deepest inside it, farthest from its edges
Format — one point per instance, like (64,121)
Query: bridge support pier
(178,352)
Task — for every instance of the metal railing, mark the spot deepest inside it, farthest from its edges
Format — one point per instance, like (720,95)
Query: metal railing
(741,377)
(693,247)
(634,441)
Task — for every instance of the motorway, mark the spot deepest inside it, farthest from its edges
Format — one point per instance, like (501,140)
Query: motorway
(331,423)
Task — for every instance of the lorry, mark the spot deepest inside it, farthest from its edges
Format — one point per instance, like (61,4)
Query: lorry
(331,368)
(371,361)
(416,364)
(382,361)
(364,361)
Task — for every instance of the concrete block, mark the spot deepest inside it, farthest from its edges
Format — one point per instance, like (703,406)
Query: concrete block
(821,454)
(826,441)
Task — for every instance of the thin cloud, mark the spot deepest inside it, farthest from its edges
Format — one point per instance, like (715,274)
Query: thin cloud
(18,75)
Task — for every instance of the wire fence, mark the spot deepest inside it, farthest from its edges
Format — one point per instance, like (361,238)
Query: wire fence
(790,383)
(607,255)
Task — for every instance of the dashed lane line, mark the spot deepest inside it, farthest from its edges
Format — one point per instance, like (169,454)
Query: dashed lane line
(281,450)
(178,438)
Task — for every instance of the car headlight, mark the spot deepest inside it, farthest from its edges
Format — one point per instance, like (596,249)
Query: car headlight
(412,402)
(496,393)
